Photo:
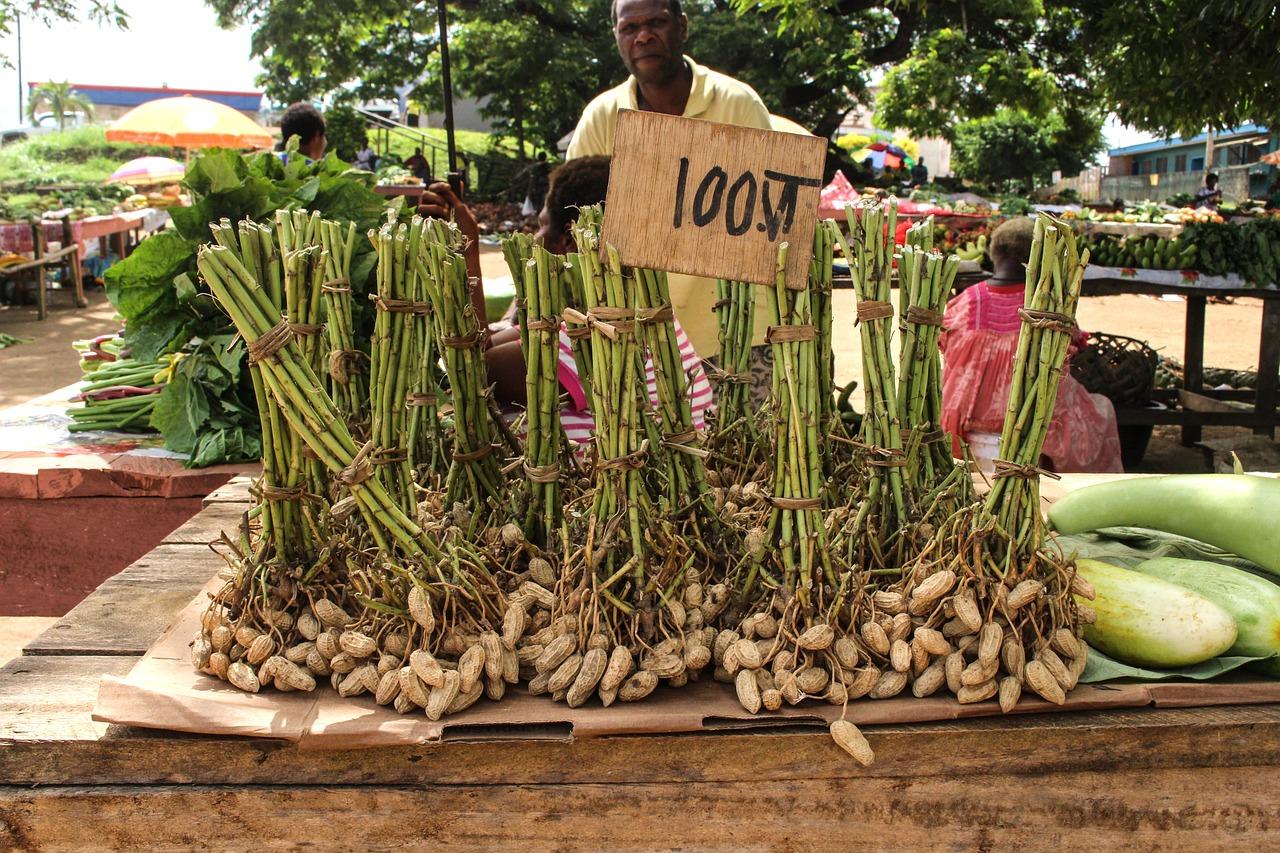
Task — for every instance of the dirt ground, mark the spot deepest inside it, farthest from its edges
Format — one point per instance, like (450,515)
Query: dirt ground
(48,362)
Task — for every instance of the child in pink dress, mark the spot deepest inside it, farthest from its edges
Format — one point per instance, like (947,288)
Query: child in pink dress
(979,342)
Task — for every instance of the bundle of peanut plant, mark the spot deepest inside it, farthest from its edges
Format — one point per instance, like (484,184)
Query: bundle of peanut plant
(882,533)
(541,280)
(685,492)
(621,623)
(794,643)
(983,610)
(288,491)
(346,364)
(398,357)
(418,605)
(925,279)
(475,474)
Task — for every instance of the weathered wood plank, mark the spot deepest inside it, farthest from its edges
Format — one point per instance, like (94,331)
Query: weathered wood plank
(206,525)
(60,745)
(1172,808)
(126,614)
(48,700)
(236,490)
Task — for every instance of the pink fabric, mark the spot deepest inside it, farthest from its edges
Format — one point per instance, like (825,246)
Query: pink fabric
(979,342)
(576,418)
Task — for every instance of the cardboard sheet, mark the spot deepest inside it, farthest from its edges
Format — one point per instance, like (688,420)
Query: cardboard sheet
(163,691)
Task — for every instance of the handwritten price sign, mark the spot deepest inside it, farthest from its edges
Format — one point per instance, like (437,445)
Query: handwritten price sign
(711,199)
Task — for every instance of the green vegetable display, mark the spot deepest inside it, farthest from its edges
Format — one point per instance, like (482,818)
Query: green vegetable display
(1252,601)
(1225,510)
(1144,620)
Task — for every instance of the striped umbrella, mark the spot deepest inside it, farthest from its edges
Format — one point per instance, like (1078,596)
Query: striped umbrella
(149,170)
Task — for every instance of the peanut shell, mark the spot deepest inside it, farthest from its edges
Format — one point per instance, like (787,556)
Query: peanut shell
(852,741)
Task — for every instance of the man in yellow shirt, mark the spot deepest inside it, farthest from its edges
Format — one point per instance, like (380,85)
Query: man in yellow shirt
(651,35)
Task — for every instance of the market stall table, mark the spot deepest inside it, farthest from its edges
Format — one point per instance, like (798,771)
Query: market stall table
(65,497)
(16,236)
(1148,777)
(1197,406)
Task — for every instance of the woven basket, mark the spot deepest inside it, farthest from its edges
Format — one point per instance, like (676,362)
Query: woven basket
(1121,369)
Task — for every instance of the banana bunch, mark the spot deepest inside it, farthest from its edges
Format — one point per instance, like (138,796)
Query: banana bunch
(1148,252)
(974,250)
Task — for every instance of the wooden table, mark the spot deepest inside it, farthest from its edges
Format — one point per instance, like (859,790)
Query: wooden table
(1197,406)
(1149,778)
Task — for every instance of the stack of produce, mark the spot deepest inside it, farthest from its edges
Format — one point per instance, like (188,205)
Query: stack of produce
(208,413)
(119,393)
(1169,613)
(828,567)
(1146,252)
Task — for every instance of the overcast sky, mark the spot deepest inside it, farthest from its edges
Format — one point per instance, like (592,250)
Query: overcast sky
(175,43)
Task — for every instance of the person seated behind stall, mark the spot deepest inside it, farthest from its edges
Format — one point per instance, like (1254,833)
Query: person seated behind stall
(418,166)
(1210,195)
(919,173)
(367,159)
(1273,199)
(305,122)
(578,183)
(978,343)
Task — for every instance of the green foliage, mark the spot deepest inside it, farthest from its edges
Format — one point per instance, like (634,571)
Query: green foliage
(953,76)
(1169,67)
(1014,151)
(310,48)
(79,155)
(346,131)
(207,410)
(1177,66)
(535,72)
(813,76)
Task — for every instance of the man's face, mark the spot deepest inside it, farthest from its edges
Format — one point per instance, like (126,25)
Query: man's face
(650,39)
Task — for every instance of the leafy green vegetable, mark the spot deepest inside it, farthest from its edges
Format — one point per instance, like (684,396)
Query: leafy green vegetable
(207,410)
(1102,668)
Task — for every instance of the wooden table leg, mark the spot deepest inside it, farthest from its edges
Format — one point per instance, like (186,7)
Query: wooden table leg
(120,244)
(77,278)
(1193,359)
(1268,366)
(42,278)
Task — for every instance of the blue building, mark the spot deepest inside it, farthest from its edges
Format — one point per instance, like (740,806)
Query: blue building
(1168,166)
(111,102)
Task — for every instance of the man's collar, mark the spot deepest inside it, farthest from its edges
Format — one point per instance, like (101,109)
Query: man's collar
(699,96)
(699,91)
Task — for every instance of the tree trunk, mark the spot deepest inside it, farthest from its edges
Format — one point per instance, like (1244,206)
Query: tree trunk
(519,111)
